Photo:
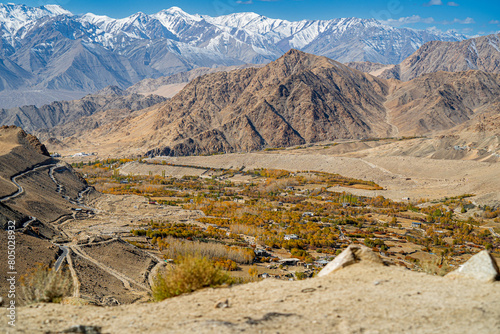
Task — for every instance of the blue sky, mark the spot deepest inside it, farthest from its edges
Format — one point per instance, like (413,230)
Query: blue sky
(470,17)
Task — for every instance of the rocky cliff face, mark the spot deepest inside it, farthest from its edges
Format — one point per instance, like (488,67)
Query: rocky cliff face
(442,100)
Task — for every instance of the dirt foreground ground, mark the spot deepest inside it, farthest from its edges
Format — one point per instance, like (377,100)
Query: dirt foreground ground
(362,298)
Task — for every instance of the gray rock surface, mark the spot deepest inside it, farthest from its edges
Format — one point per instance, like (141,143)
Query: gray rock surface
(481,267)
(350,256)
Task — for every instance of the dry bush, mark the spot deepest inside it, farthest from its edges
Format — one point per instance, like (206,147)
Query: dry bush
(436,267)
(42,284)
(176,248)
(241,212)
(191,273)
(247,230)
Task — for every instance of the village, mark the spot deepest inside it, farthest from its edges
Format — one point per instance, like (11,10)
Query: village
(274,223)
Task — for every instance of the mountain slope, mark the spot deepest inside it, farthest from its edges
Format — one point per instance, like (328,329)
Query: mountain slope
(297,99)
(442,100)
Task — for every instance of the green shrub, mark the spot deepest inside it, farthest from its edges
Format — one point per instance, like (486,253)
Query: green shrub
(191,273)
(300,276)
(42,284)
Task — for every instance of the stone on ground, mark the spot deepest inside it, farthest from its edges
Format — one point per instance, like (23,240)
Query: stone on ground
(351,255)
(481,266)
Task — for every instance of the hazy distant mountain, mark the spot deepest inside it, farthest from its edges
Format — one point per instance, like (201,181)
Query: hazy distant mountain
(32,118)
(481,53)
(48,48)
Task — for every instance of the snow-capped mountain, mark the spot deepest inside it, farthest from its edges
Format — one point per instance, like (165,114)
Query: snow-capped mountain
(48,47)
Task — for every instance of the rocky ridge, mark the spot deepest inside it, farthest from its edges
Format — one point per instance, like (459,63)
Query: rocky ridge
(43,118)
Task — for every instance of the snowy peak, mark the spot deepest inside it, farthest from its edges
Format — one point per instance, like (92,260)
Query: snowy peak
(176,11)
(176,14)
(56,10)
(15,17)
(23,13)
(48,47)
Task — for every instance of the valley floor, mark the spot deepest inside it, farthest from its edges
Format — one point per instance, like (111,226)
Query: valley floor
(416,178)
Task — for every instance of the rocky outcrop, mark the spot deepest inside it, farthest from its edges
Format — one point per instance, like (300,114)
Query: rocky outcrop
(481,267)
(351,255)
(33,142)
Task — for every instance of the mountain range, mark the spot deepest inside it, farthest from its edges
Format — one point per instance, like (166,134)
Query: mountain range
(48,48)
(298,99)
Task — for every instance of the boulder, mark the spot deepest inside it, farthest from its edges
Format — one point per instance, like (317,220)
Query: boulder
(351,255)
(481,266)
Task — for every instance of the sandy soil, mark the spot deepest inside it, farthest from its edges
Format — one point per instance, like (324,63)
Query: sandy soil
(136,168)
(362,298)
(98,284)
(400,176)
(115,215)
(167,90)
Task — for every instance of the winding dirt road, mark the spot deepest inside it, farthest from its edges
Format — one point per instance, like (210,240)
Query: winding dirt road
(20,189)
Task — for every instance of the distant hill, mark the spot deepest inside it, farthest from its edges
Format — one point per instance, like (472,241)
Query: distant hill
(32,118)
(481,53)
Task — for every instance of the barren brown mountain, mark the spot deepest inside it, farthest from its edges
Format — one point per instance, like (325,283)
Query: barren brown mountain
(297,99)
(481,53)
(442,100)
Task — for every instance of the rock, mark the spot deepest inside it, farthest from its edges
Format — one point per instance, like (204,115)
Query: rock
(83,329)
(481,266)
(351,255)
(223,303)
(1,301)
(109,301)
